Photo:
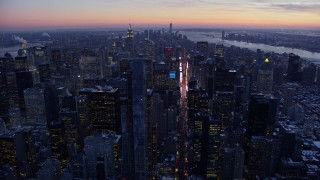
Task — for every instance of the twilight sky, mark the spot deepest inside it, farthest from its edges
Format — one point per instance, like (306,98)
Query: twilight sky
(26,14)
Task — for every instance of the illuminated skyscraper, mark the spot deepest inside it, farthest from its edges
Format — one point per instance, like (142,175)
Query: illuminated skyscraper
(202,47)
(265,78)
(39,56)
(199,150)
(129,43)
(103,109)
(219,56)
(256,152)
(160,76)
(44,72)
(219,50)
(58,142)
(224,107)
(214,146)
(14,151)
(21,63)
(84,121)
(168,55)
(198,101)
(71,124)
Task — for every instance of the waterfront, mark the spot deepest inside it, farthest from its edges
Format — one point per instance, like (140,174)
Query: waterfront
(215,37)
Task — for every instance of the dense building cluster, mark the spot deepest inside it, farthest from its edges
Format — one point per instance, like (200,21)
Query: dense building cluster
(154,105)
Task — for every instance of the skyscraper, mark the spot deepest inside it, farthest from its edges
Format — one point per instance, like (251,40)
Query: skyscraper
(214,148)
(4,103)
(271,157)
(35,106)
(168,55)
(224,80)
(293,68)
(262,115)
(14,151)
(219,50)
(21,63)
(56,57)
(202,46)
(233,163)
(265,78)
(71,124)
(44,72)
(159,118)
(103,109)
(259,56)
(256,152)
(309,74)
(58,141)
(139,118)
(149,53)
(50,169)
(160,76)
(224,107)
(24,80)
(288,99)
(39,55)
(100,156)
(129,43)
(90,64)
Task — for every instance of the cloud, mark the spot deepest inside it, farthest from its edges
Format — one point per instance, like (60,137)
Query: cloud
(232,5)
(175,3)
(298,6)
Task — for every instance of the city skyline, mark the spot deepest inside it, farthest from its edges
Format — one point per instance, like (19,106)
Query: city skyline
(36,14)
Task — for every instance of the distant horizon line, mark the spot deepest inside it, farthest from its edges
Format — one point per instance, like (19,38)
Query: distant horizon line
(145,27)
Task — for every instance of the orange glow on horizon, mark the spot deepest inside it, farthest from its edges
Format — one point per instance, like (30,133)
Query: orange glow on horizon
(150,16)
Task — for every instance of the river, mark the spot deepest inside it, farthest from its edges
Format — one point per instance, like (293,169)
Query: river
(215,37)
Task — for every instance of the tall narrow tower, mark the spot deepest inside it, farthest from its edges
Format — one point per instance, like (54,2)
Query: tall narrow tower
(129,46)
(139,118)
